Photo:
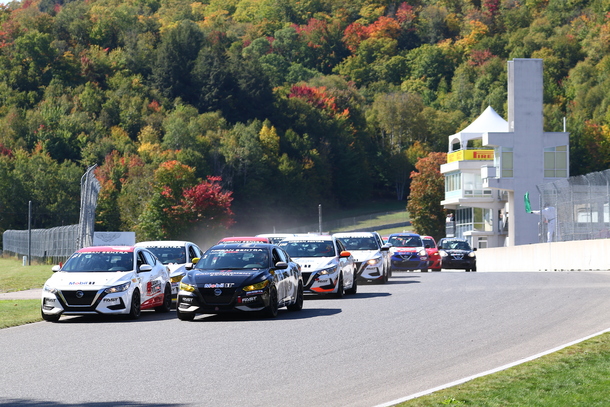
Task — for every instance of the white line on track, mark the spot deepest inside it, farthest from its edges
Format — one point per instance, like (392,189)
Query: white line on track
(488,372)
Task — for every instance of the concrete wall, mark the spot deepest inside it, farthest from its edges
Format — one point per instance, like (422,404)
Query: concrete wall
(582,255)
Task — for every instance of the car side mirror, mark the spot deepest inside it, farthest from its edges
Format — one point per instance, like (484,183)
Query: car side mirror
(144,268)
(194,260)
(386,246)
(474,249)
(345,254)
(427,246)
(56,268)
(189,266)
(281,265)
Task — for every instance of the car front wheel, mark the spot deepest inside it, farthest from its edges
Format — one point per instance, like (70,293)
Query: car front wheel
(354,288)
(340,289)
(272,309)
(136,307)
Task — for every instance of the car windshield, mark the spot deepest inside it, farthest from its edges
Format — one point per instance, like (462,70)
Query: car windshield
(309,248)
(405,241)
(234,259)
(456,244)
(99,262)
(360,243)
(429,242)
(169,255)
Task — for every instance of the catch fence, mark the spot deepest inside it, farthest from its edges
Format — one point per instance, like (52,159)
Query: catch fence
(55,244)
(581,206)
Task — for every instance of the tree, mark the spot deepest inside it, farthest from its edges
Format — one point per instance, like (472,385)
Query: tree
(427,192)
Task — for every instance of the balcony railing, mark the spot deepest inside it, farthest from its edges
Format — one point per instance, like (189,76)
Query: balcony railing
(471,155)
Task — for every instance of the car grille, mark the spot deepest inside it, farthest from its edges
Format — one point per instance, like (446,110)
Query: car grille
(306,276)
(457,256)
(210,298)
(84,298)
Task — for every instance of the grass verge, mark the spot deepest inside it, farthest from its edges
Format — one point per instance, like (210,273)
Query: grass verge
(14,276)
(19,312)
(574,376)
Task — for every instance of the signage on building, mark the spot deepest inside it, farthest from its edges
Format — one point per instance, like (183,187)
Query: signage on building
(475,155)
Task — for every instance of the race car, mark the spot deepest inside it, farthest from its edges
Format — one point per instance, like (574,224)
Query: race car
(177,256)
(434,257)
(241,277)
(370,254)
(326,265)
(408,252)
(107,280)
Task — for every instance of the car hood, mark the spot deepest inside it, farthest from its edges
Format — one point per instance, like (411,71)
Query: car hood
(89,281)
(457,251)
(238,277)
(362,255)
(406,249)
(314,263)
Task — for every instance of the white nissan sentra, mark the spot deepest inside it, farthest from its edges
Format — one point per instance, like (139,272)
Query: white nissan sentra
(179,257)
(326,266)
(107,280)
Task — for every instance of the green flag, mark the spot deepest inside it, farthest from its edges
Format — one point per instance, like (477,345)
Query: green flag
(528,206)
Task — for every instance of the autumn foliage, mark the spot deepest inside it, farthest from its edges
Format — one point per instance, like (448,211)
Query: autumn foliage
(427,192)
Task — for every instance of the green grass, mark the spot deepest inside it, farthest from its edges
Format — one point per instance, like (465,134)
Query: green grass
(574,376)
(14,276)
(19,312)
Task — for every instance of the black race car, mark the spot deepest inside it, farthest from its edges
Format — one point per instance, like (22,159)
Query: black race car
(241,277)
(457,254)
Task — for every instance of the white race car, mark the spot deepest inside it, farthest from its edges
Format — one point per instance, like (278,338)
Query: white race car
(326,266)
(179,256)
(107,280)
(370,253)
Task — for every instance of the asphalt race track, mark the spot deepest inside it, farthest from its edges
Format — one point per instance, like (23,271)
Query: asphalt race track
(420,331)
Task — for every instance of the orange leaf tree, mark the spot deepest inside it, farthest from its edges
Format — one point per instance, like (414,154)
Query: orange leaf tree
(427,192)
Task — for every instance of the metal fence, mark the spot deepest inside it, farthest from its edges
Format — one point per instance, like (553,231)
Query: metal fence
(581,207)
(55,244)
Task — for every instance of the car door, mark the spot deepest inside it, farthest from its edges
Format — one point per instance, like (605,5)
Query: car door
(150,281)
(291,282)
(346,263)
(281,275)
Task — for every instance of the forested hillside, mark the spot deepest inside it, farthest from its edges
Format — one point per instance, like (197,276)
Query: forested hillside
(212,111)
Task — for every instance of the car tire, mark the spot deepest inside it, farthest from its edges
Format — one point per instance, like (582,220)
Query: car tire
(185,316)
(297,305)
(467,270)
(354,288)
(340,289)
(167,300)
(386,276)
(50,318)
(424,270)
(135,309)
(272,309)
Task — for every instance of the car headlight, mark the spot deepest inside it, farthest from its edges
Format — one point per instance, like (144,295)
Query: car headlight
(423,253)
(186,287)
(471,254)
(257,286)
(328,270)
(118,288)
(374,260)
(177,278)
(50,289)
(442,253)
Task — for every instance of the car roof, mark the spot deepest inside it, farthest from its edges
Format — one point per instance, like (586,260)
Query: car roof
(163,243)
(244,239)
(253,245)
(97,249)
(404,234)
(354,234)
(309,238)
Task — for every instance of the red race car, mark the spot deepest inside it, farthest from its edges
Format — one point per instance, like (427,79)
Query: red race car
(434,258)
